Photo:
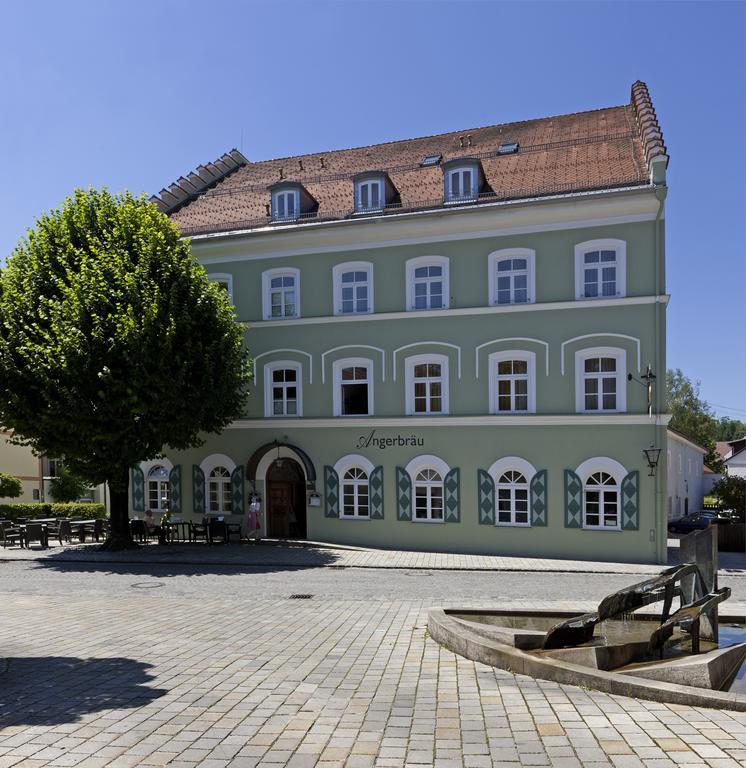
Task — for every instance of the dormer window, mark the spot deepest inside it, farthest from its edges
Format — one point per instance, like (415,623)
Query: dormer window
(285,205)
(369,195)
(462,180)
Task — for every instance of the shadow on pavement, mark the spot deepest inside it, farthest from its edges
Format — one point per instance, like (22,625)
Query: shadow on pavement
(50,690)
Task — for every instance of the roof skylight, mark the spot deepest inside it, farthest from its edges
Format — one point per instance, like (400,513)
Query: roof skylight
(431,160)
(507,149)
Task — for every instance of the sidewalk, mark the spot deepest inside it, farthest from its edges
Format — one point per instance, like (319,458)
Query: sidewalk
(308,554)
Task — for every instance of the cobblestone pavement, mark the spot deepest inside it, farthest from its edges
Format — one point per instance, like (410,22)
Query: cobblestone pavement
(121,665)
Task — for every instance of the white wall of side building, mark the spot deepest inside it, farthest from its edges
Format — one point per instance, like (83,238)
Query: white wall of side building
(736,465)
(684,476)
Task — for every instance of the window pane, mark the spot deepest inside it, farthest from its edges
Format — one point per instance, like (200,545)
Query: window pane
(608,364)
(354,399)
(592,365)
(591,258)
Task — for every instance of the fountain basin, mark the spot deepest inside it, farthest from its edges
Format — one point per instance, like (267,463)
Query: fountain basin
(477,635)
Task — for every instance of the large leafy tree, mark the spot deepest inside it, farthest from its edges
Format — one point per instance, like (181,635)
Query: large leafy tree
(66,486)
(113,343)
(691,415)
(10,486)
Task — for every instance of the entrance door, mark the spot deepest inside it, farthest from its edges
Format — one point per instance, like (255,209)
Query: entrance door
(280,505)
(286,500)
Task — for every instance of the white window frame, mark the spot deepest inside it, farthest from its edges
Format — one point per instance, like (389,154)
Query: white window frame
(222,483)
(370,182)
(145,468)
(409,381)
(473,168)
(427,261)
(610,467)
(344,465)
(225,279)
(208,464)
(159,508)
(267,277)
(351,362)
(512,253)
(351,266)
(512,354)
(607,244)
(516,464)
(285,193)
(269,369)
(413,468)
(621,377)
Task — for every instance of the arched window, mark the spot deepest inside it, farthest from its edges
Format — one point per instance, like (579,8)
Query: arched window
(600,380)
(426,381)
(600,269)
(511,276)
(428,495)
(283,385)
(427,283)
(355,493)
(158,488)
(512,498)
(219,491)
(281,293)
(353,387)
(353,288)
(601,501)
(512,382)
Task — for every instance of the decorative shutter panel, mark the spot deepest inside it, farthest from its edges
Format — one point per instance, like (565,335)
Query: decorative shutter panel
(237,490)
(138,490)
(452,495)
(375,482)
(573,500)
(403,494)
(198,490)
(486,496)
(174,485)
(631,501)
(331,492)
(538,495)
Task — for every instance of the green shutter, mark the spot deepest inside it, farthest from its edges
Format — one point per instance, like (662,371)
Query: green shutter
(237,490)
(138,490)
(331,492)
(174,484)
(631,501)
(486,496)
(573,500)
(375,483)
(198,490)
(403,494)
(539,498)
(452,495)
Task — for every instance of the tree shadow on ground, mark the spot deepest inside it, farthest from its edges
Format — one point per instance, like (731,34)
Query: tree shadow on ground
(191,559)
(50,690)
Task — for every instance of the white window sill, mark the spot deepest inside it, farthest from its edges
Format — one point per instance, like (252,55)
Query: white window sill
(607,528)
(283,416)
(284,317)
(340,313)
(602,412)
(423,520)
(355,517)
(513,525)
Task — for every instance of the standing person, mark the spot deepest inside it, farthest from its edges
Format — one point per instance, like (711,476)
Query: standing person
(252,518)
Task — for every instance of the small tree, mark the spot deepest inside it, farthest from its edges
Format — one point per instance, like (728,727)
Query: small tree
(114,344)
(10,486)
(66,486)
(731,494)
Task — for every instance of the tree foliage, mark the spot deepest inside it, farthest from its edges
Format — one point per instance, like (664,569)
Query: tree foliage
(729,429)
(10,486)
(66,486)
(113,342)
(691,415)
(731,494)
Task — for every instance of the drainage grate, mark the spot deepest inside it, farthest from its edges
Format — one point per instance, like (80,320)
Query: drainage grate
(300,597)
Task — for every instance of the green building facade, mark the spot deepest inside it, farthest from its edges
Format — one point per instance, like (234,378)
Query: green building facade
(445,374)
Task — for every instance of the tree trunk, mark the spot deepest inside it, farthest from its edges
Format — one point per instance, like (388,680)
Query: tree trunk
(120,536)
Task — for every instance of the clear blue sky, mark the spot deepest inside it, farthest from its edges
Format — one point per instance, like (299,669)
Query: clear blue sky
(133,94)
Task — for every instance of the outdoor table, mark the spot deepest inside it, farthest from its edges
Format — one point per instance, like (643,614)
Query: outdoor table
(82,526)
(179,530)
(24,535)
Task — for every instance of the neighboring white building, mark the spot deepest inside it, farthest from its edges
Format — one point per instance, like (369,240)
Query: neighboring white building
(685,469)
(735,460)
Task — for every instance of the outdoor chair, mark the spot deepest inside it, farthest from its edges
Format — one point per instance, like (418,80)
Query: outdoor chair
(99,528)
(36,532)
(234,529)
(199,531)
(63,531)
(10,534)
(139,531)
(217,530)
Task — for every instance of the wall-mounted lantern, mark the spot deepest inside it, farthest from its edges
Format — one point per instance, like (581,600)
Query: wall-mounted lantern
(652,455)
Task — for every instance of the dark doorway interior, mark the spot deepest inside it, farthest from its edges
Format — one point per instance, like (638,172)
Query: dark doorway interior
(286,500)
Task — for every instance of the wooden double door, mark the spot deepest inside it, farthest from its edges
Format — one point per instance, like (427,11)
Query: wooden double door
(286,501)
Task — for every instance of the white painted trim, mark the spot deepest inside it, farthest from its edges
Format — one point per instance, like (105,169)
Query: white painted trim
(286,192)
(409,422)
(512,354)
(433,343)
(348,362)
(286,349)
(465,311)
(267,276)
(620,355)
(409,364)
(370,180)
(479,348)
(601,464)
(349,266)
(512,462)
(147,466)
(269,368)
(424,261)
(609,244)
(353,460)
(216,460)
(507,253)
(595,335)
(353,346)
(425,461)
(222,277)
(284,452)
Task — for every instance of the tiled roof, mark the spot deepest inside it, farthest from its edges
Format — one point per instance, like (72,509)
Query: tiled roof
(602,149)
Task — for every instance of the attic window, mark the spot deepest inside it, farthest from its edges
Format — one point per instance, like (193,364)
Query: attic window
(431,160)
(508,149)
(285,205)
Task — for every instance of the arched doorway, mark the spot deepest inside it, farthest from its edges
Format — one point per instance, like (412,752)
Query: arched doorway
(286,500)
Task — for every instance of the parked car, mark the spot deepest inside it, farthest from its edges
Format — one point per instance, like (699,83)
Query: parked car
(697,522)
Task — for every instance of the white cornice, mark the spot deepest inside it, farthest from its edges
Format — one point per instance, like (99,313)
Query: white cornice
(415,422)
(464,311)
